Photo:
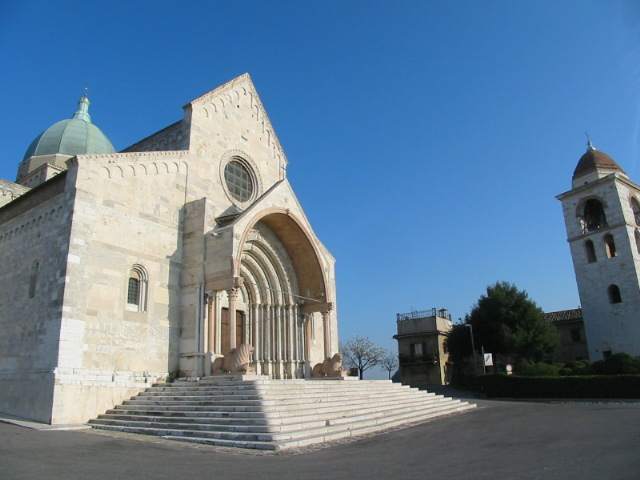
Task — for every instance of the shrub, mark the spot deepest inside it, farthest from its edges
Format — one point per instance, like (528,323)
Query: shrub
(539,369)
(579,367)
(616,364)
(594,386)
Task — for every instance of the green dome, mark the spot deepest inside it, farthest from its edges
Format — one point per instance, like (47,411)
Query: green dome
(73,136)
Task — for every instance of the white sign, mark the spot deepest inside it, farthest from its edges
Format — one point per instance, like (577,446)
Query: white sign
(488,360)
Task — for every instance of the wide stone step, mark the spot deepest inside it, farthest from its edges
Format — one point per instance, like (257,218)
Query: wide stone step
(336,415)
(266,401)
(273,388)
(325,434)
(257,412)
(278,409)
(328,435)
(276,396)
(269,433)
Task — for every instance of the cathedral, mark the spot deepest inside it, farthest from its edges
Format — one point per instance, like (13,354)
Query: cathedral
(121,269)
(602,218)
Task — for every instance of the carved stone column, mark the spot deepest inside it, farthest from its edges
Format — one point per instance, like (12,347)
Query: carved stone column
(266,311)
(255,338)
(326,328)
(296,333)
(233,297)
(211,323)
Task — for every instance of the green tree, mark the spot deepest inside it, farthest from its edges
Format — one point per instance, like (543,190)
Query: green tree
(506,321)
(459,343)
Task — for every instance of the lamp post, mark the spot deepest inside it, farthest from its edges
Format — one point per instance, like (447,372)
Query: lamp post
(473,345)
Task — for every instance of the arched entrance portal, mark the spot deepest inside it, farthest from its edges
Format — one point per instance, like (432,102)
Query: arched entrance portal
(280,304)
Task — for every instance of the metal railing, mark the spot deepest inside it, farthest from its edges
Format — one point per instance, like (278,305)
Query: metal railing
(434,312)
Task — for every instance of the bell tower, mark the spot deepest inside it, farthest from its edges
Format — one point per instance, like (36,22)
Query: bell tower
(602,218)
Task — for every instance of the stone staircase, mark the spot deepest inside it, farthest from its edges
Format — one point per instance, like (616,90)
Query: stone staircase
(258,412)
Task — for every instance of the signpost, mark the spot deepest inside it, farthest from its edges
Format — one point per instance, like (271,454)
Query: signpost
(487,360)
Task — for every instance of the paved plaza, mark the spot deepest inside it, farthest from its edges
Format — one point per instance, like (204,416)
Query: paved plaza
(499,440)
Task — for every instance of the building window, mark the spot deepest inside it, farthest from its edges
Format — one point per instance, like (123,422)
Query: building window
(591,251)
(614,294)
(33,279)
(609,245)
(576,336)
(137,289)
(593,217)
(415,350)
(637,235)
(238,180)
(635,207)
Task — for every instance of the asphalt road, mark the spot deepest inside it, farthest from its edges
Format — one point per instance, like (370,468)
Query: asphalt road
(499,440)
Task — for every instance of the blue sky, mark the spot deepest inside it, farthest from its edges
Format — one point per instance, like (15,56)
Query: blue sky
(426,140)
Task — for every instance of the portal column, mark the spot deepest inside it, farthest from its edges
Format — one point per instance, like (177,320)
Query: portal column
(211,322)
(233,297)
(326,324)
(255,339)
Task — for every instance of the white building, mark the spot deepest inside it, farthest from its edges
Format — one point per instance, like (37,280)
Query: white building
(120,269)
(602,217)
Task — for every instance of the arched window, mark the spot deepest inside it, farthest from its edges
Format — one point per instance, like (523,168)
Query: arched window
(591,251)
(33,279)
(635,207)
(614,294)
(609,245)
(137,289)
(637,235)
(593,217)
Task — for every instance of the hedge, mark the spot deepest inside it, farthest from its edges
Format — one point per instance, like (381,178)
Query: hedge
(595,386)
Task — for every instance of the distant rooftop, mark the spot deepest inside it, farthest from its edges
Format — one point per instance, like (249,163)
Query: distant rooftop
(560,315)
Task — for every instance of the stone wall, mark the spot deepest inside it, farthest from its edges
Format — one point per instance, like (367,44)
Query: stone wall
(33,252)
(106,349)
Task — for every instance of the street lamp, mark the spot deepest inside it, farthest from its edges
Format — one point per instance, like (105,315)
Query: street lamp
(473,345)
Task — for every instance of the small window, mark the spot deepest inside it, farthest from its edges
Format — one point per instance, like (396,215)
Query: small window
(614,294)
(609,245)
(576,336)
(590,250)
(416,350)
(133,294)
(635,207)
(33,279)
(137,289)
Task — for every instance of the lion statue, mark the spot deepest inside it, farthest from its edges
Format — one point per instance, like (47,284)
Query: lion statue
(331,367)
(238,360)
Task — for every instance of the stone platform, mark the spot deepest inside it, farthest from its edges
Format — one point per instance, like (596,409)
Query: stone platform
(262,413)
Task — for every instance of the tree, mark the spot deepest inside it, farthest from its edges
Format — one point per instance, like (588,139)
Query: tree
(361,353)
(506,321)
(459,343)
(390,362)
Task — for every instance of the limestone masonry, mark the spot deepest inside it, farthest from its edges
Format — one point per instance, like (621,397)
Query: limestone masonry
(124,269)
(602,217)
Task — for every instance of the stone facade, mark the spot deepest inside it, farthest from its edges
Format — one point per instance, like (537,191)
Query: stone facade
(144,258)
(602,218)
(422,347)
(573,340)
